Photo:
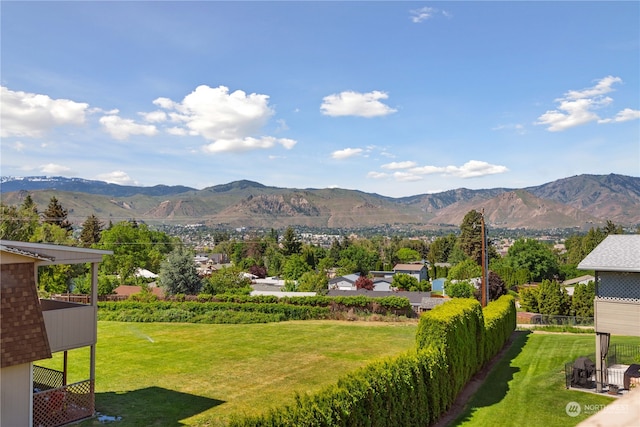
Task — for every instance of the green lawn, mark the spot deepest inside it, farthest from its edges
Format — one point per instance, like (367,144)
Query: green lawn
(527,387)
(168,374)
(162,374)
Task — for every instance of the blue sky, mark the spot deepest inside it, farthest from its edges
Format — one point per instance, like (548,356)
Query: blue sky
(394,98)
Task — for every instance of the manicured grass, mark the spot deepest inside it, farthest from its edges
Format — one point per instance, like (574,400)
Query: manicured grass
(527,387)
(169,374)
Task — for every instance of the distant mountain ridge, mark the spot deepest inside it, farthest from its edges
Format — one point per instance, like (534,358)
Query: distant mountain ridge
(578,201)
(33,183)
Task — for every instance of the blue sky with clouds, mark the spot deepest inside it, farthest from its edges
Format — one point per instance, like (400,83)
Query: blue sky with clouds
(395,98)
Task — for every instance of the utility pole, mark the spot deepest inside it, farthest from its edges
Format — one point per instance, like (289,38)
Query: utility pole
(484,283)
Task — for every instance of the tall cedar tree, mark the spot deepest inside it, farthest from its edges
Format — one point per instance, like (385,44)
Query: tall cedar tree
(290,242)
(470,239)
(56,214)
(91,231)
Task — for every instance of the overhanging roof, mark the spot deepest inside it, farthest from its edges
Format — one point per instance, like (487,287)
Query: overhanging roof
(617,252)
(49,254)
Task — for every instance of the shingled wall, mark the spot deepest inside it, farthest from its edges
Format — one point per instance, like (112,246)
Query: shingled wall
(23,336)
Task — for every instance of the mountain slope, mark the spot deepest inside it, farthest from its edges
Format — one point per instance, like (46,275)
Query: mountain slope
(579,201)
(517,209)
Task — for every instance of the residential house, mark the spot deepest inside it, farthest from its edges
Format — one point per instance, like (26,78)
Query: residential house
(570,285)
(32,329)
(416,299)
(348,283)
(419,271)
(616,262)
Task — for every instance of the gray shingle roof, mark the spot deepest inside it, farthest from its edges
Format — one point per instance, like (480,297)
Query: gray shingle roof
(620,252)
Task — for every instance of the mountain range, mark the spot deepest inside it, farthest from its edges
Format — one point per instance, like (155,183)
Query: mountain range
(580,201)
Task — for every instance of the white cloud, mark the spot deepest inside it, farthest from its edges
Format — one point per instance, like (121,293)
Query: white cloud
(399,165)
(471,169)
(602,87)
(121,129)
(216,114)
(18,146)
(117,177)
(424,13)
(346,153)
(515,127)
(177,131)
(247,144)
(475,168)
(230,121)
(377,175)
(623,116)
(155,116)
(577,107)
(406,176)
(32,115)
(53,169)
(351,103)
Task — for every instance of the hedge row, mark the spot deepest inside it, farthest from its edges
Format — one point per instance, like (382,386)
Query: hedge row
(264,308)
(357,301)
(457,329)
(389,393)
(207,312)
(499,323)
(414,389)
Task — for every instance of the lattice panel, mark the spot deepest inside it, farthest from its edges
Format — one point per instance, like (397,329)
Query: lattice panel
(619,286)
(46,379)
(63,405)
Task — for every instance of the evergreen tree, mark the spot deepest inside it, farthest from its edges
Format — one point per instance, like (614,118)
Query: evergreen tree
(290,242)
(582,301)
(470,239)
(28,205)
(529,299)
(178,273)
(56,214)
(553,299)
(91,231)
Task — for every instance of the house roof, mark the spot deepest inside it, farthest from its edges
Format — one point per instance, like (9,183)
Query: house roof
(17,251)
(619,252)
(576,280)
(48,254)
(408,267)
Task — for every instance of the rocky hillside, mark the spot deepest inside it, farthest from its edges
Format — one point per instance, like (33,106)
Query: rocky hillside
(579,201)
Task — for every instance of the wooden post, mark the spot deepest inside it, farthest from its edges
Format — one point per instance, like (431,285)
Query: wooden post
(65,363)
(483,282)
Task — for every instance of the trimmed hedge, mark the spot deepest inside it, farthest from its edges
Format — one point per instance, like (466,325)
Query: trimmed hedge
(207,312)
(499,323)
(457,329)
(413,389)
(258,309)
